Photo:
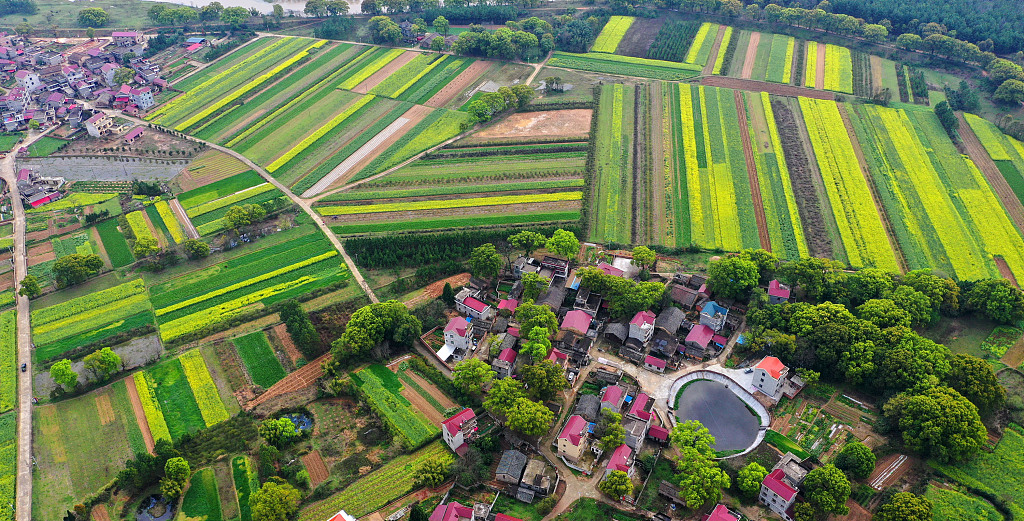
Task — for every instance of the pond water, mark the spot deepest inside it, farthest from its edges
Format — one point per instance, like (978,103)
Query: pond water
(301,421)
(154,508)
(722,412)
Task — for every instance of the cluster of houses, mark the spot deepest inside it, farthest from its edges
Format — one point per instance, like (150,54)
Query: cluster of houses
(51,84)
(36,190)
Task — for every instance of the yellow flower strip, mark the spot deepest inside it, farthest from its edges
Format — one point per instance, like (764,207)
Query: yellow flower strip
(250,85)
(787,76)
(371,68)
(319,133)
(239,285)
(89,319)
(170,221)
(831,67)
(720,59)
(203,388)
(993,226)
(72,307)
(449,203)
(698,41)
(416,78)
(163,111)
(613,33)
(990,137)
(138,225)
(780,159)
(206,317)
(727,219)
(811,70)
(689,152)
(227,200)
(150,405)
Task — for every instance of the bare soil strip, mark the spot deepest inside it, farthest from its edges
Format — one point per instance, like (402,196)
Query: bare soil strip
(316,467)
(717,48)
(300,379)
(888,471)
(988,167)
(105,409)
(764,86)
(384,72)
(153,230)
(1015,355)
(879,206)
(748,60)
(286,341)
(183,219)
(876,73)
(548,123)
(435,289)
(755,186)
(94,234)
(658,182)
(99,513)
(140,414)
(422,405)
(1004,270)
(454,87)
(819,78)
(441,398)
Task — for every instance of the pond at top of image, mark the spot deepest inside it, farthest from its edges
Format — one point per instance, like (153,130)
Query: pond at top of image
(724,414)
(262,5)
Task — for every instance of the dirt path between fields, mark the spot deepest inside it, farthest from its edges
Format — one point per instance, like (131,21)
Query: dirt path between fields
(293,353)
(991,172)
(101,250)
(709,67)
(140,414)
(435,289)
(819,77)
(876,74)
(99,513)
(755,186)
(763,86)
(751,55)
(160,238)
(659,134)
(879,206)
(186,223)
(454,87)
(441,398)
(384,72)
(299,379)
(1004,270)
(316,467)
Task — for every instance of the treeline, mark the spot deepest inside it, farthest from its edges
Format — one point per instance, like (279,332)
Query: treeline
(408,251)
(480,14)
(17,7)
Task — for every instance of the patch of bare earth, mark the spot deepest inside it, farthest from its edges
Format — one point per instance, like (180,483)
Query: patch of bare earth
(94,234)
(140,413)
(459,84)
(441,398)
(435,289)
(549,123)
(7,280)
(640,36)
(777,89)
(41,253)
(99,513)
(819,77)
(876,72)
(751,55)
(717,48)
(421,404)
(755,186)
(384,72)
(286,341)
(301,378)
(316,467)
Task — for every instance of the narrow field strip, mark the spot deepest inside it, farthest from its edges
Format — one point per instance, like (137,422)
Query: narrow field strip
(351,161)
(240,195)
(612,33)
(319,133)
(452,203)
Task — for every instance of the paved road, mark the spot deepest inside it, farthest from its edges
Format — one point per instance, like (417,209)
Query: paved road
(302,203)
(23,505)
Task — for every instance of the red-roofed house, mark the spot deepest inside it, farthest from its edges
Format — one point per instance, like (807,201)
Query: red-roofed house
(777,493)
(505,517)
(126,38)
(621,459)
(452,512)
(778,292)
(572,439)
(142,97)
(641,406)
(468,304)
(458,334)
(658,433)
(654,364)
(608,269)
(576,321)
(768,374)
(699,337)
(557,357)
(642,326)
(721,513)
(132,135)
(342,516)
(454,430)
(509,304)
(612,398)
(720,340)
(98,124)
(505,363)
(193,48)
(28,80)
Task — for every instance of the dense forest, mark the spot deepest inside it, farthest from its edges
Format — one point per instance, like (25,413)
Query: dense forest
(17,6)
(973,20)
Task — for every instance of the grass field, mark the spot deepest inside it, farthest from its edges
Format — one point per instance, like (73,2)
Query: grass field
(259,359)
(45,146)
(115,244)
(381,389)
(998,473)
(611,216)
(952,505)
(8,360)
(9,139)
(202,501)
(8,463)
(624,65)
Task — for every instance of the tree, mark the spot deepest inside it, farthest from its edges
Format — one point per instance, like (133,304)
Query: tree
(373,324)
(503,395)
(766,261)
(527,241)
(196,248)
(75,268)
(315,8)
(943,293)
(437,44)
(234,16)
(1010,92)
(92,17)
(827,489)
(485,261)
(244,215)
(124,75)
(529,417)
(278,11)
(145,246)
(915,303)
(433,471)
(692,434)
(856,459)
(384,29)
(905,506)
(472,375)
(749,479)
(441,26)
(996,299)
(1000,70)
(62,373)
(732,277)
(947,118)
(539,345)
(276,500)
(616,485)
(300,328)
(564,242)
(875,32)
(533,285)
(544,379)
(816,276)
(974,379)
(700,479)
(30,287)
(176,473)
(103,362)
(33,124)
(613,433)
(644,257)
(530,316)
(937,422)
(277,432)
(884,313)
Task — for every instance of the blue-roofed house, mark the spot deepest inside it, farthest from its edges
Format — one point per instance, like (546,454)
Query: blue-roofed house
(713,315)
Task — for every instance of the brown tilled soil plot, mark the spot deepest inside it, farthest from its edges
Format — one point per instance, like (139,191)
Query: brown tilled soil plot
(94,234)
(1004,270)
(435,289)
(763,86)
(7,280)
(640,36)
(105,409)
(384,72)
(316,467)
(441,398)
(286,341)
(459,84)
(715,49)
(300,379)
(99,513)
(421,404)
(876,72)
(140,413)
(755,186)
(41,253)
(549,123)
(750,55)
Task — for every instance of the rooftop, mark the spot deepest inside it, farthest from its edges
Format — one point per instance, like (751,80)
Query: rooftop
(620,458)
(454,424)
(612,394)
(772,366)
(577,320)
(700,335)
(457,324)
(643,318)
(778,289)
(475,304)
(574,429)
(775,481)
(508,355)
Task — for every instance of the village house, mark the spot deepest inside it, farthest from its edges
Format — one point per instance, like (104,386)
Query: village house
(538,477)
(510,468)
(658,434)
(589,407)
(127,38)
(769,374)
(576,322)
(713,315)
(505,364)
(653,363)
(142,97)
(99,124)
(133,135)
(721,513)
(642,326)
(509,305)
(698,341)
(456,429)
(587,301)
(621,460)
(608,269)
(572,440)
(467,304)
(778,293)
(28,80)
(612,398)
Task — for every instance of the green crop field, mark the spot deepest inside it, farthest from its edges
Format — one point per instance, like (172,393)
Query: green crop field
(246,482)
(115,244)
(381,389)
(178,405)
(8,360)
(8,463)
(45,146)
(624,65)
(780,59)
(202,501)
(218,189)
(259,359)
(951,505)
(998,472)
(9,139)
(611,207)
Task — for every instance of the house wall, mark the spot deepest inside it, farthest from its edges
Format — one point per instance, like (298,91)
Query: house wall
(765,382)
